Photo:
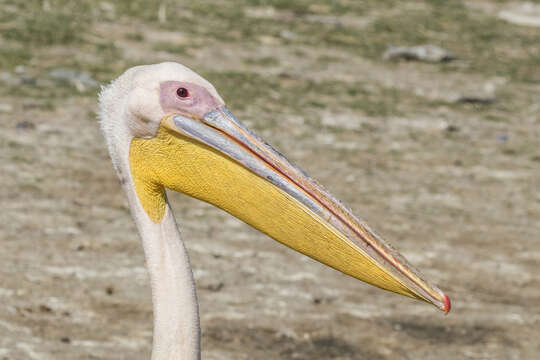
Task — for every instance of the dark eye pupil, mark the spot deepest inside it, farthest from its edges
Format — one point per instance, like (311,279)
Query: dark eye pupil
(182,92)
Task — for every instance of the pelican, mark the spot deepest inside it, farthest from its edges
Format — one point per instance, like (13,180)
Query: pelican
(168,128)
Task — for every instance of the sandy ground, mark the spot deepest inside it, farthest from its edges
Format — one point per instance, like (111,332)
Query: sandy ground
(457,193)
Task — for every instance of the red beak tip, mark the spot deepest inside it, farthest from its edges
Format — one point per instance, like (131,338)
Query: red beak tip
(447,305)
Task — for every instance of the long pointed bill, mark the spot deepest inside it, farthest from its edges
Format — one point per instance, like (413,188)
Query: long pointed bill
(220,161)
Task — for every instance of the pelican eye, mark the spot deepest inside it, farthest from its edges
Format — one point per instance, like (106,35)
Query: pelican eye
(182,92)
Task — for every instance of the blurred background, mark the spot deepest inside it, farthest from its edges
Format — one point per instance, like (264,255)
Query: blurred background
(422,116)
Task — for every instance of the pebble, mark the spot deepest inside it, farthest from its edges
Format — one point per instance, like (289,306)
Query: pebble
(524,14)
(45,308)
(108,10)
(452,128)
(476,99)
(288,35)
(426,53)
(25,125)
(215,287)
(6,108)
(9,79)
(81,80)
(20,69)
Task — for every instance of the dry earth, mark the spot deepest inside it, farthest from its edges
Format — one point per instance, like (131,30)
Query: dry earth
(455,186)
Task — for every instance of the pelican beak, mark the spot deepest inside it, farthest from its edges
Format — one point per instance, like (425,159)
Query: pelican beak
(218,160)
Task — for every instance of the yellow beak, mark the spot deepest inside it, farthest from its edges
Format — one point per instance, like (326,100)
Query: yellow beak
(218,160)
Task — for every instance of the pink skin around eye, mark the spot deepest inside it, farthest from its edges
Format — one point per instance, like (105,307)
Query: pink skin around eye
(198,102)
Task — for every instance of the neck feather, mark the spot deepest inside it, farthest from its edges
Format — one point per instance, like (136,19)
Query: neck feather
(176,313)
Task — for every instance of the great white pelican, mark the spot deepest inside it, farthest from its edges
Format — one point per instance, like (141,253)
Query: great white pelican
(167,127)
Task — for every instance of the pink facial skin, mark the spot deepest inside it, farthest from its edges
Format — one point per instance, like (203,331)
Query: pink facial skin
(196,102)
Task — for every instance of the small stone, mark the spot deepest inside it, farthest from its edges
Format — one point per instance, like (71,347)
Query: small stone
(285,75)
(6,108)
(215,287)
(28,80)
(65,340)
(9,79)
(321,299)
(109,290)
(320,8)
(20,69)
(261,12)
(45,308)
(81,80)
(287,35)
(25,125)
(452,128)
(476,99)
(524,14)
(268,40)
(109,9)
(162,13)
(46,5)
(426,53)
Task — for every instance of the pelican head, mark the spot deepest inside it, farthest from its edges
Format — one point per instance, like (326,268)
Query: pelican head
(167,127)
